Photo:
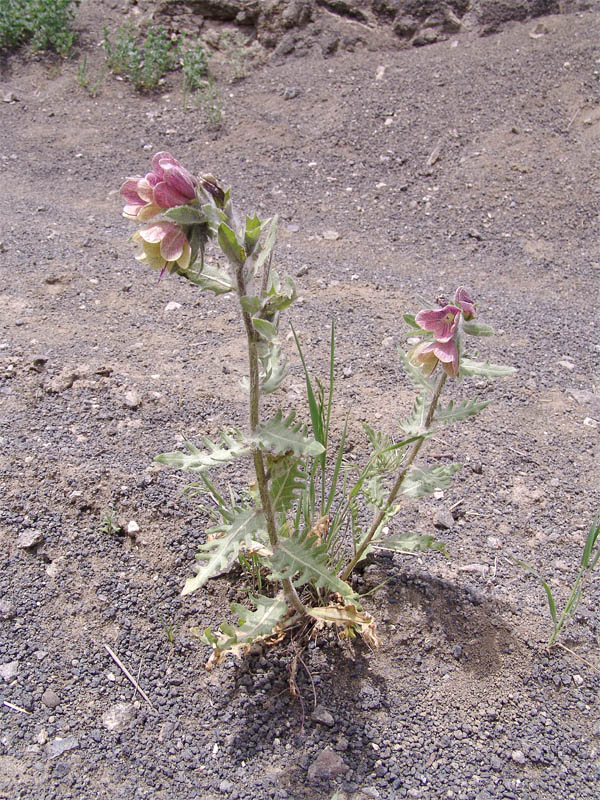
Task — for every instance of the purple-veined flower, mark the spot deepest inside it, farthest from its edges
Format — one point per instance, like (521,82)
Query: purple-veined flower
(164,246)
(442,322)
(463,299)
(169,184)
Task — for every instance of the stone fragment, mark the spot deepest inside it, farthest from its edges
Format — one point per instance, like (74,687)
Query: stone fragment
(59,746)
(320,714)
(9,670)
(518,756)
(327,765)
(131,399)
(117,717)
(331,236)
(132,528)
(61,382)
(172,306)
(443,519)
(50,699)
(29,538)
(7,609)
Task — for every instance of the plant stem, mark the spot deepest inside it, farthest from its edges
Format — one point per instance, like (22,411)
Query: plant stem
(259,465)
(399,480)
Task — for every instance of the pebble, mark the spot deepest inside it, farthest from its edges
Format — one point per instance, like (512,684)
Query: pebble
(172,306)
(518,756)
(290,92)
(302,271)
(567,365)
(59,746)
(29,538)
(443,519)
(320,714)
(118,717)
(61,382)
(132,527)
(495,542)
(347,372)
(331,236)
(7,609)
(328,764)
(50,699)
(131,399)
(226,787)
(9,670)
(578,680)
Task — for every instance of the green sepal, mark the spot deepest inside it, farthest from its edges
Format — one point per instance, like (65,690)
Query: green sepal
(477,329)
(242,526)
(230,245)
(186,215)
(280,436)
(410,542)
(423,481)
(467,367)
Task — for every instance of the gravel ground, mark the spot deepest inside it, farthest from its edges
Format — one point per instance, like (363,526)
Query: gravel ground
(98,374)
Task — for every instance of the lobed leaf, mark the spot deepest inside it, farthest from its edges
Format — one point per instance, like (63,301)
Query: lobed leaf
(287,481)
(302,558)
(423,481)
(414,424)
(243,526)
(232,446)
(452,413)
(410,542)
(468,367)
(350,619)
(282,436)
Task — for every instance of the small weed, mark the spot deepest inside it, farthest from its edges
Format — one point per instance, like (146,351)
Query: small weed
(46,24)
(109,524)
(232,44)
(85,81)
(209,98)
(194,66)
(168,628)
(589,559)
(144,64)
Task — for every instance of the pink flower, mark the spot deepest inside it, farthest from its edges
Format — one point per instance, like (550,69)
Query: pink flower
(463,299)
(169,184)
(164,246)
(443,323)
(427,355)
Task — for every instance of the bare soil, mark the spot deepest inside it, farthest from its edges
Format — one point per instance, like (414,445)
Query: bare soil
(472,161)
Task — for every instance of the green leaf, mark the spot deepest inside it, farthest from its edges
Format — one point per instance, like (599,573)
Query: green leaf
(304,560)
(409,542)
(477,329)
(266,329)
(250,303)
(266,248)
(386,458)
(419,380)
(243,525)
(230,245)
(280,294)
(287,481)
(214,215)
(468,367)
(282,436)
(452,413)
(410,320)
(252,233)
(253,626)
(273,369)
(414,424)
(186,215)
(232,446)
(211,279)
(420,482)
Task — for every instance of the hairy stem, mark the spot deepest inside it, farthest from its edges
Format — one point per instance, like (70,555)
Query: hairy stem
(259,465)
(399,480)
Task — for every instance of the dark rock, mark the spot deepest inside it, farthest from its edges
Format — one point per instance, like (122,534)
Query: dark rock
(320,714)
(327,765)
(59,746)
(50,699)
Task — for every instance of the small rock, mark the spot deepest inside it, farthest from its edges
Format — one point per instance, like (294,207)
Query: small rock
(567,364)
(457,651)
(61,382)
(131,399)
(61,770)
(578,680)
(50,699)
(290,92)
(59,746)
(496,763)
(443,519)
(292,227)
(7,609)
(342,743)
(9,670)
(117,717)
(132,528)
(29,538)
(172,306)
(331,236)
(226,787)
(10,97)
(302,271)
(42,736)
(327,765)
(347,372)
(495,542)
(320,714)
(52,569)
(518,756)
(477,468)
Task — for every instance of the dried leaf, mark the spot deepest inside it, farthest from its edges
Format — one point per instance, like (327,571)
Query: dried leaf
(348,617)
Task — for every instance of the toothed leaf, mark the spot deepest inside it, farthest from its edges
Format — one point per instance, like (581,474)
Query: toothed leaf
(281,436)
(210,279)
(273,369)
(243,526)
(414,424)
(420,482)
(304,560)
(350,619)
(232,446)
(477,329)
(468,367)
(452,413)
(287,481)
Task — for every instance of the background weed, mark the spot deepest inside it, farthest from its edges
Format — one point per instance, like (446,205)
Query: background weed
(46,24)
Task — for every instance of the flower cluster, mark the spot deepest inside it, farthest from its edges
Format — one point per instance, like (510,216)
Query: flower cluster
(444,324)
(166,244)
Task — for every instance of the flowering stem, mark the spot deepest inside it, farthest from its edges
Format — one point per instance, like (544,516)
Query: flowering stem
(399,480)
(259,465)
